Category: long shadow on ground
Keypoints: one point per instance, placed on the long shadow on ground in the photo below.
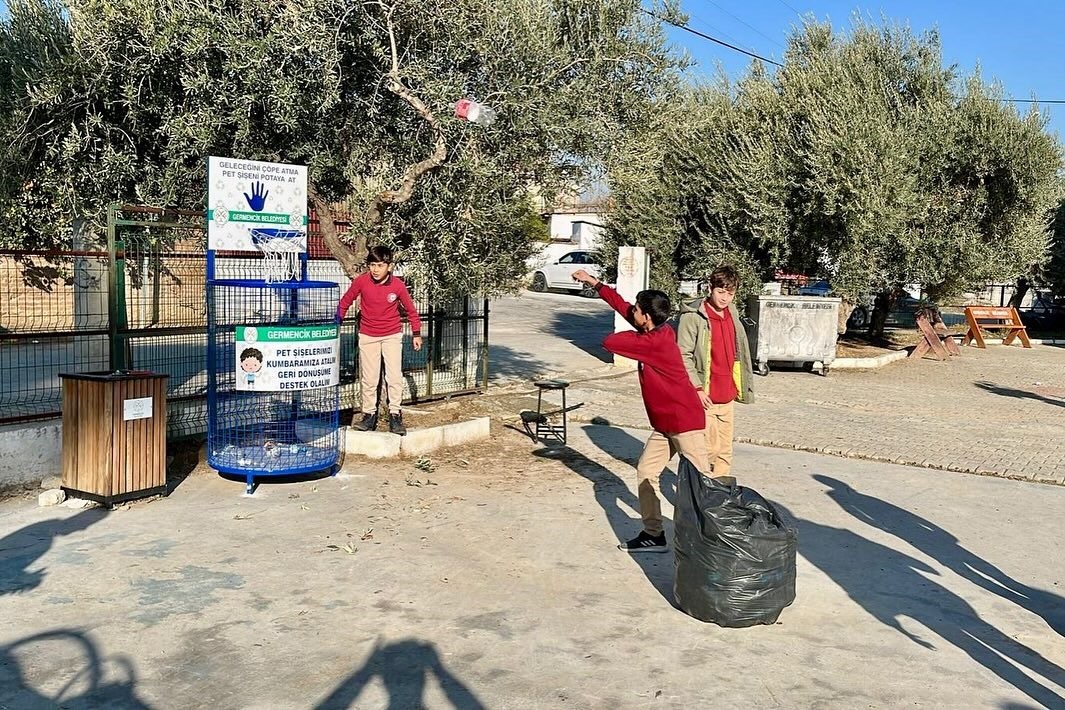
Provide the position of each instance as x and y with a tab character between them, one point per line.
891	586
403	667
584	330
84	676
940	545
21	548
1020	394
621	508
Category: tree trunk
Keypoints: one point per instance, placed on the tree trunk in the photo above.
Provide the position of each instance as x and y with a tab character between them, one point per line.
1020	292
883	304
350	258
845	310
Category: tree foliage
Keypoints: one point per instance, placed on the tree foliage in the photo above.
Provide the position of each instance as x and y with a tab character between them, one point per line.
122	100
862	160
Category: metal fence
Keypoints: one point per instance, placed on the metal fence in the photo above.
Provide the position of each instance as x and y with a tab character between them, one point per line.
140	304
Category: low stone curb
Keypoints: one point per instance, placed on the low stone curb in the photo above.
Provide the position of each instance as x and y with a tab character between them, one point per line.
417	442
867	363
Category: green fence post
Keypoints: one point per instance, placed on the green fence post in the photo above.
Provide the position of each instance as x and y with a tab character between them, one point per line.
116	293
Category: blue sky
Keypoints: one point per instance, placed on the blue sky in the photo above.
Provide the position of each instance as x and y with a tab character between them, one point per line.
1019	42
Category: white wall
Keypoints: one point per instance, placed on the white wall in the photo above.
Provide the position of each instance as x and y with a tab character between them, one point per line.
30	452
561	225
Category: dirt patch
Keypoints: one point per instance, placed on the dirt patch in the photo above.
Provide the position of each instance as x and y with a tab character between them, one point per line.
861	345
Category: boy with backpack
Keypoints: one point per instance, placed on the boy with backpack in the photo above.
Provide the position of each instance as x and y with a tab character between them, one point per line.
717	357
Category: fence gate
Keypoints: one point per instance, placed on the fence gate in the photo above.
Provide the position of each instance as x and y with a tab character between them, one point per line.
140	304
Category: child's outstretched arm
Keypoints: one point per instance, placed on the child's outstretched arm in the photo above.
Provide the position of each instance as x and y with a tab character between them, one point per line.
612	297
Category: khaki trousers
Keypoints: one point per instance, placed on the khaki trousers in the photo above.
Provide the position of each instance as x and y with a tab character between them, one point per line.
372	350
720	425
657	452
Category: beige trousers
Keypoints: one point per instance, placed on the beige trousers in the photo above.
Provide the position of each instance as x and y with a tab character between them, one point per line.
720	425
372	350
657	452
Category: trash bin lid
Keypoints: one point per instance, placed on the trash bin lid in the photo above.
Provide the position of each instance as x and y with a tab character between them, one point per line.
107	376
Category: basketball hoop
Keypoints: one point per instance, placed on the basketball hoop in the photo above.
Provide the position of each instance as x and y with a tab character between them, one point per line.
281	249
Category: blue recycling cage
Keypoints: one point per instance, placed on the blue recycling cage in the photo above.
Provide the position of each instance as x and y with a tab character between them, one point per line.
261	434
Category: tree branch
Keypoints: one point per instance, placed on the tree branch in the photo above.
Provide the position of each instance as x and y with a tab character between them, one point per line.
350	257
375	211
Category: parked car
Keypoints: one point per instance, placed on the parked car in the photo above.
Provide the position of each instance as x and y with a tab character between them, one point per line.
901	315
1045	313
817	288
559	273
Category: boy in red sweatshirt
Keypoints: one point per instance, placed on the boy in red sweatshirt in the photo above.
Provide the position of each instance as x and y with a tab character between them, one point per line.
673	406
381	335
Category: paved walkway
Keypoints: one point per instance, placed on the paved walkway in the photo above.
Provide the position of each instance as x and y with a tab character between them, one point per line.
493	582
999	411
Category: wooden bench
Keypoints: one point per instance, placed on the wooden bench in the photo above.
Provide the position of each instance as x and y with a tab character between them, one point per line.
935	338
994	319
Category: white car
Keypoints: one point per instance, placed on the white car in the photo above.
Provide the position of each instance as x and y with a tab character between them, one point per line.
559	273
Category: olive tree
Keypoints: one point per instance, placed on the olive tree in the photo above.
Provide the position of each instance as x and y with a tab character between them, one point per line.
123	100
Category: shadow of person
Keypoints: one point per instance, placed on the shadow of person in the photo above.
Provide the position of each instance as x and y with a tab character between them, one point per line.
626	448
939	544
85	679
1019	394
403	667
18	550
890	586
622	509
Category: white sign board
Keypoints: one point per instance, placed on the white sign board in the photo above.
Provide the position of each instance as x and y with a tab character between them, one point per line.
632	278
140	408
284	358
250	202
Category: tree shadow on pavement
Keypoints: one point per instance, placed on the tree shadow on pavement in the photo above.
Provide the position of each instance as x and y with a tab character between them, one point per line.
507	363
1019	394
619	503
85	678
584	330
20	549
940	545
403	667
891	586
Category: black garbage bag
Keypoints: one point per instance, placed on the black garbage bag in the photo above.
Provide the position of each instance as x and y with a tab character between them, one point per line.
735	556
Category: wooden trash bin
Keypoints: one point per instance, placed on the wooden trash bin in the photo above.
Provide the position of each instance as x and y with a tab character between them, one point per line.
114	435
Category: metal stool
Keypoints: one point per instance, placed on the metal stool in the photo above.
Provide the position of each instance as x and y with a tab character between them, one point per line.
545	429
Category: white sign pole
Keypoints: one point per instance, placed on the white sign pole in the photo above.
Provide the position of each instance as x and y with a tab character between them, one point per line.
633	269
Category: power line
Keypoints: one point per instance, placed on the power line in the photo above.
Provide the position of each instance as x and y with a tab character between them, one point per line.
790	8
1035	101
715	40
705	36
695	20
744	22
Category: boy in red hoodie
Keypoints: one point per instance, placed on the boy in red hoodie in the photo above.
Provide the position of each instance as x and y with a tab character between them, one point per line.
381	336
673	406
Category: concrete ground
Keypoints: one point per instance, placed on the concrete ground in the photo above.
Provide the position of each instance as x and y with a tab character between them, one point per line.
492	580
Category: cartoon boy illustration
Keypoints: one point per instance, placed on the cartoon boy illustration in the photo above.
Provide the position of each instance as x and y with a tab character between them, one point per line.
251	361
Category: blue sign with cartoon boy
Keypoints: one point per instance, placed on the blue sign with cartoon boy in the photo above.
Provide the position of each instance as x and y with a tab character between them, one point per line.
251	362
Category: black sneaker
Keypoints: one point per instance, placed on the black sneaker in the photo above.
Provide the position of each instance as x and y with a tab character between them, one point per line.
395	424
368	423
645	543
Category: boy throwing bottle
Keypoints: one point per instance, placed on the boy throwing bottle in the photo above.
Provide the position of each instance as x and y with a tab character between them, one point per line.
672	404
